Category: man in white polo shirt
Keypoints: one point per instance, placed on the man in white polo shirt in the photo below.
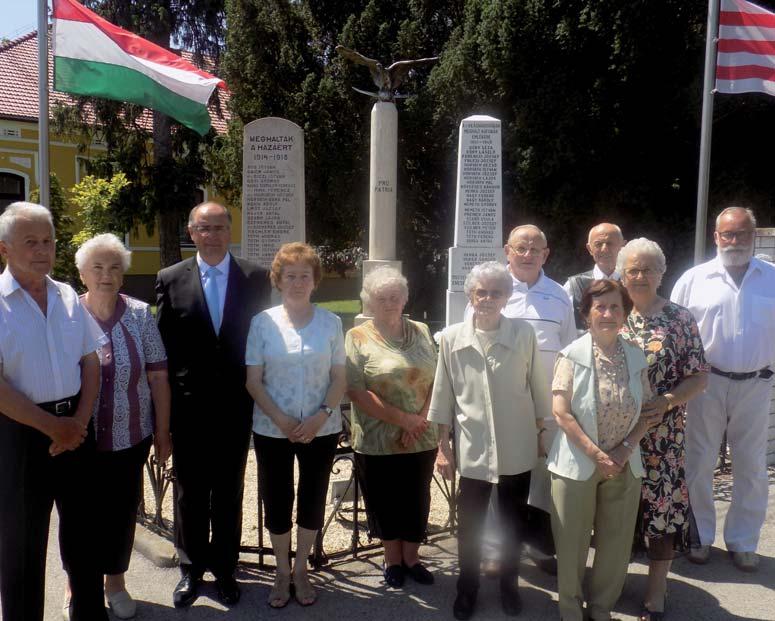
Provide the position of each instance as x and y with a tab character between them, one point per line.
544	304
732	297
49	381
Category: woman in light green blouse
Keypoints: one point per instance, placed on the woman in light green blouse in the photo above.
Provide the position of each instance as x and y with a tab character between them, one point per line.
391	362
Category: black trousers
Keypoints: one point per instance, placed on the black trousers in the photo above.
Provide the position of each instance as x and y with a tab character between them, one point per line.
31	481
275	458
397	491
209	459
119	481
473	498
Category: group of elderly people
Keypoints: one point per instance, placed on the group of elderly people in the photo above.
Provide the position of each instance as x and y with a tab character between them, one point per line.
481	406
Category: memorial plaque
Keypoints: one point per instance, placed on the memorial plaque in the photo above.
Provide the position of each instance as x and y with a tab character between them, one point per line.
478	204
478	207
272	188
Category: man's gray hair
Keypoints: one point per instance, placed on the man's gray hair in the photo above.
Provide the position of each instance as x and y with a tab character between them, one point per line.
23	209
107	242
733	209
380	278
527	227
192	213
641	245
489	270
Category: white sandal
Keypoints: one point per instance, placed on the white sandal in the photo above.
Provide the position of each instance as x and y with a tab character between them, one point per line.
122	605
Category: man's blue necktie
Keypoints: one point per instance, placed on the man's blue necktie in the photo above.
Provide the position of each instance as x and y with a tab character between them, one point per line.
212	297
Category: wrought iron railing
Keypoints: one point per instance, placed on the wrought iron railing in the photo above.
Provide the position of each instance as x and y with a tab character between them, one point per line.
160	478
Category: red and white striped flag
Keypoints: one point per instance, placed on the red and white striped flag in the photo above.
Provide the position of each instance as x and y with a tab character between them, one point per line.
746	49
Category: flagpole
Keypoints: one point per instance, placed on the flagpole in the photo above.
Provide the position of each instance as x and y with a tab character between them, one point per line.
43	164
706	131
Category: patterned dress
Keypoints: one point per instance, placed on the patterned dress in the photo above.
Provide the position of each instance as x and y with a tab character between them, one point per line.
673	348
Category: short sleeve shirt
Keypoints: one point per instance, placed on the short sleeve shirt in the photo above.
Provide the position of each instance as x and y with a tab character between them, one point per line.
125	415
297	365
398	372
40	354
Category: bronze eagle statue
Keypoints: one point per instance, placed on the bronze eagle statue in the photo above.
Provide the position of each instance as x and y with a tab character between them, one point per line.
387	80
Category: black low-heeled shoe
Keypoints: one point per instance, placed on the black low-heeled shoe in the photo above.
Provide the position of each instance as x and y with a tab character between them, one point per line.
419	573
394	576
464	605
653	615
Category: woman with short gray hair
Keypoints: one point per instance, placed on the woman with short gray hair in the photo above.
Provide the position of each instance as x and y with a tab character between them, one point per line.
391	362
491	390
669	337
133	409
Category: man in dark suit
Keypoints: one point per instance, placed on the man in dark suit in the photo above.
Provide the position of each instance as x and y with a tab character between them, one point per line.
205	305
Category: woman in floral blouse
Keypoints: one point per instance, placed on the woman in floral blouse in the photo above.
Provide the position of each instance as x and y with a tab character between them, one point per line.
391	361
133	408
669	337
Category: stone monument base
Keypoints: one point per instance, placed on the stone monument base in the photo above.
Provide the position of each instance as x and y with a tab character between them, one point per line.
456	306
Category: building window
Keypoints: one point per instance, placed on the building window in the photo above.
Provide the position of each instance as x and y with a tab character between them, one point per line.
11	189
185	238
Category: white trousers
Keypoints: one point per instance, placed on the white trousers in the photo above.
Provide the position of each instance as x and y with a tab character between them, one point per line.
741	408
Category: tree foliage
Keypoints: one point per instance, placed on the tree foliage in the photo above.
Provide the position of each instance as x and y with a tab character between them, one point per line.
95	200
59	205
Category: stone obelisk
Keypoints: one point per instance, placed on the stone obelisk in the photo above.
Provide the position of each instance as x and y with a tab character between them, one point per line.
478	207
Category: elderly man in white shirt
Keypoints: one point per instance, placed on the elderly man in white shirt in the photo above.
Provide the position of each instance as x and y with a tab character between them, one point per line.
544	304
604	242
732	297
49	381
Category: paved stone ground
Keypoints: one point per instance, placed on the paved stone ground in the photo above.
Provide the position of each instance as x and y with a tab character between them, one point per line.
354	589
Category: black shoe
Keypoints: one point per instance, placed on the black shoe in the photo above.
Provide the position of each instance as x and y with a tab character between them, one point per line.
186	591
394	576
228	591
511	602
419	573
464	605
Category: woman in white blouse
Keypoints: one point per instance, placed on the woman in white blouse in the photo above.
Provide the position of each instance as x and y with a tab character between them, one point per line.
296	375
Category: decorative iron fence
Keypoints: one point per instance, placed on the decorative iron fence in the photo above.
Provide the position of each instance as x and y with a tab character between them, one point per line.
346	512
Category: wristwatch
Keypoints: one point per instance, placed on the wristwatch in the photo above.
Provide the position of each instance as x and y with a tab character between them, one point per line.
329	411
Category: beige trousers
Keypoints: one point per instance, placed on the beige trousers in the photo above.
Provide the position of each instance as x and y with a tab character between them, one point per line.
610	506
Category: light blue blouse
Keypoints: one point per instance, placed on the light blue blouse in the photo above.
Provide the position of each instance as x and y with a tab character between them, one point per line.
297	365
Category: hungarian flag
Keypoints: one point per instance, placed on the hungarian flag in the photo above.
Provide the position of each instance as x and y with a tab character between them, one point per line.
94	57
746	49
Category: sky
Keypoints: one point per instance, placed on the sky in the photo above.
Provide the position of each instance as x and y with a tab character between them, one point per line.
17	17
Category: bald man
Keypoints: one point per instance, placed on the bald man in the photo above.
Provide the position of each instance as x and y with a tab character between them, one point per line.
604	242
205	304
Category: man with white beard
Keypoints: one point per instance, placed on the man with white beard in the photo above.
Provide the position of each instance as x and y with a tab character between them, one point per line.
732	297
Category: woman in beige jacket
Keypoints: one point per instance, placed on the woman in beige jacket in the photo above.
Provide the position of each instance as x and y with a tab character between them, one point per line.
490	389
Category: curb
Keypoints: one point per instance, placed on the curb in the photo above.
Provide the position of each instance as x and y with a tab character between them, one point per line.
155	548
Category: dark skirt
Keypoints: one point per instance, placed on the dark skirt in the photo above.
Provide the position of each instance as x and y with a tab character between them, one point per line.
397	491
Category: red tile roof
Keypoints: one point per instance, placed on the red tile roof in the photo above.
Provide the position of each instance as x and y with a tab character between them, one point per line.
19	85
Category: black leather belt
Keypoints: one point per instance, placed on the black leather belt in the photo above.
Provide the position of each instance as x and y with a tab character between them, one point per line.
64	407
765	373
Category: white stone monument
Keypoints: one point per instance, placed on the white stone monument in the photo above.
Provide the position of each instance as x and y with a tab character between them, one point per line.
764	248
272	188
478	207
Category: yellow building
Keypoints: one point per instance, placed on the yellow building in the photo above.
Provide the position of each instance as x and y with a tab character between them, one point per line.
19	170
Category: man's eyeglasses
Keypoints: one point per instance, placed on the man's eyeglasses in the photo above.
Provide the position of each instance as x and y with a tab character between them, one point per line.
742	236
526	250
207	228
634	272
493	294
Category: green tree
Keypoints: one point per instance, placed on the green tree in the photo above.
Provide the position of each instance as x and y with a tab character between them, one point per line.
64	266
96	200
